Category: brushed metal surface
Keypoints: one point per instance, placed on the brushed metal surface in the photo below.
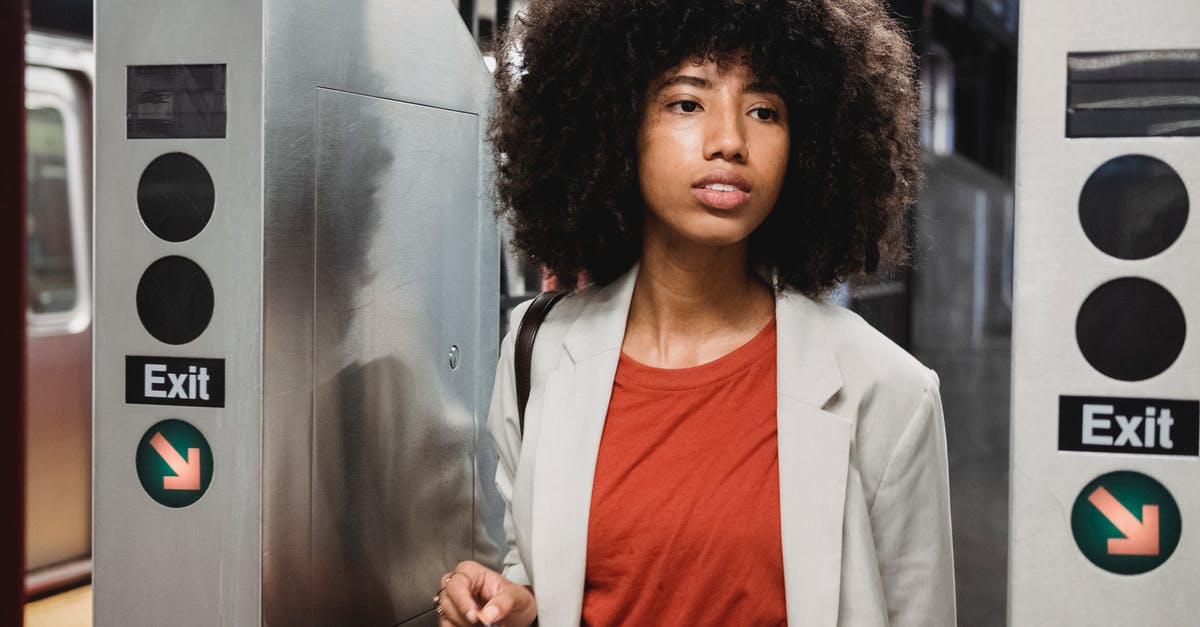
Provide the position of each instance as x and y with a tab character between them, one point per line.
197	565
354	93
351	246
1051	582
392	424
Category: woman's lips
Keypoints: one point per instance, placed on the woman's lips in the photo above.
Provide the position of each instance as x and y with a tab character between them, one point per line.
722	190
718	199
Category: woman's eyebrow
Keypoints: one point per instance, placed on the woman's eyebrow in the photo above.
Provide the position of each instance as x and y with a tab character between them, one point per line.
685	79
756	87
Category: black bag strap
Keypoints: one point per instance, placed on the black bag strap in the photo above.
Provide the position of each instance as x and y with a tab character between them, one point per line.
526	334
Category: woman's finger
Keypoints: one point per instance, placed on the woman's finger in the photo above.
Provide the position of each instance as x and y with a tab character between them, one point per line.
462	591
505	600
456	600
496	610
472	585
451	615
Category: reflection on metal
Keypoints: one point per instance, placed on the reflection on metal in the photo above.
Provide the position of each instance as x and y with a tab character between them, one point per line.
962	315
351	246
1143	93
1146	65
405	264
393	423
1134	206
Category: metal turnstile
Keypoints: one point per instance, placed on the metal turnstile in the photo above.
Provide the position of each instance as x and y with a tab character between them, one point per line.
1105	476
296	311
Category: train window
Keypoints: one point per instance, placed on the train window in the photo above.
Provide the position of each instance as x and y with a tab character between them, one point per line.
56	214
51	259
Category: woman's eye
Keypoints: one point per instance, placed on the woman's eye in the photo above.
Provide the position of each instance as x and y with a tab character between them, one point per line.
687	106
765	113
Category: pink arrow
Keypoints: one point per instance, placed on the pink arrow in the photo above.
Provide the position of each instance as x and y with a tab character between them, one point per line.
1141	536
187	471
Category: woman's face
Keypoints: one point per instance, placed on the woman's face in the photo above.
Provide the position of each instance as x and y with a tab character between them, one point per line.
712	153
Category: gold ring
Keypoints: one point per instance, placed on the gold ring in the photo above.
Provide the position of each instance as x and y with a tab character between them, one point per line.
439	611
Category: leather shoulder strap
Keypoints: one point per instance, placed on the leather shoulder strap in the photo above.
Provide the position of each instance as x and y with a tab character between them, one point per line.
526	334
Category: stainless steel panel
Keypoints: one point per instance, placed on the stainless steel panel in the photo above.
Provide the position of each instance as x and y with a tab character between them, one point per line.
351	246
393	418
1051	582
197	565
415	56
428	619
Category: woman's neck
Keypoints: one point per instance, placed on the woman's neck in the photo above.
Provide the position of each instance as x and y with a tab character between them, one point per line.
693	303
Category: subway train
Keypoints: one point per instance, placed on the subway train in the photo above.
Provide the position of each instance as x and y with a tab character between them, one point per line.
952	307
59	80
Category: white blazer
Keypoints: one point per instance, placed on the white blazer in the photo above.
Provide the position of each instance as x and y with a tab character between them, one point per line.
864	497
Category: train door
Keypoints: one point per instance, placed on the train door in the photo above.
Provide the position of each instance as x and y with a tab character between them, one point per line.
59	314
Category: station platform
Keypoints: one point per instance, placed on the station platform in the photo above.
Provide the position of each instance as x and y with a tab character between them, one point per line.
72	608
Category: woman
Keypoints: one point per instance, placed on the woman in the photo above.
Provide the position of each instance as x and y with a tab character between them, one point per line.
706	440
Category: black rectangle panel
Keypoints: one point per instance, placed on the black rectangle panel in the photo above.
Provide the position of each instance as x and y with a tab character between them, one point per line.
175	101
1137	426
176	381
1144	93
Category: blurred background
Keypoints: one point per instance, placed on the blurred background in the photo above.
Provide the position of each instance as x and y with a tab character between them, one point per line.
951	307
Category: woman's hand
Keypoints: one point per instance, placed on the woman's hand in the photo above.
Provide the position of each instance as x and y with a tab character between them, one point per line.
473	594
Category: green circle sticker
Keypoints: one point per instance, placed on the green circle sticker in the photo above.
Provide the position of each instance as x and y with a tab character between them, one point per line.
1126	523
174	463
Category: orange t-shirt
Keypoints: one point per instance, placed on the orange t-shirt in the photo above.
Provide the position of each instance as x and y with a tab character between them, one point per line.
684	526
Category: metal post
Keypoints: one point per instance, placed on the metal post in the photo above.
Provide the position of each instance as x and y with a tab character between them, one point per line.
1102	506
291	481
470	16
12	315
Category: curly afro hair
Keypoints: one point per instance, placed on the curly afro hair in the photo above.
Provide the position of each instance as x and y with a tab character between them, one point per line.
572	82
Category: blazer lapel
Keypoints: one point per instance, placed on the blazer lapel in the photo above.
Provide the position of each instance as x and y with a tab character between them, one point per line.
571	424
814	457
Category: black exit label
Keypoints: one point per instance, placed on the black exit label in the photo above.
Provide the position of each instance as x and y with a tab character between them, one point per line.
186	381
1146	426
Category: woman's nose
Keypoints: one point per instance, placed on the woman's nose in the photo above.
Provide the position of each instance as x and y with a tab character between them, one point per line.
726	138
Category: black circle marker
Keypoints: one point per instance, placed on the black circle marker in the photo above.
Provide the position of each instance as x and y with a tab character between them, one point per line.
175	197
1133	207
1130	329
175	300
